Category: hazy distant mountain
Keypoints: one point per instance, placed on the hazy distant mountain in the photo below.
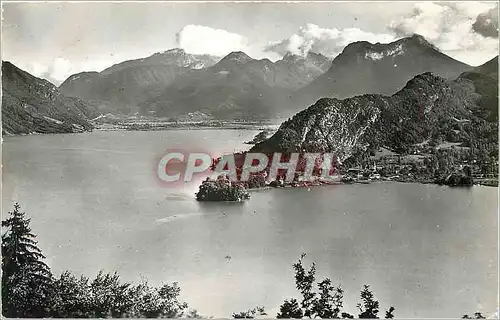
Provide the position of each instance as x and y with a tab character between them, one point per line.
428	106
177	57
30	105
485	81
127	84
294	71
489	68
239	87
363	67
174	83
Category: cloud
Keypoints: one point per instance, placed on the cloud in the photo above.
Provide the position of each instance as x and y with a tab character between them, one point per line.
465	31
486	23
59	69
198	39
449	26
329	42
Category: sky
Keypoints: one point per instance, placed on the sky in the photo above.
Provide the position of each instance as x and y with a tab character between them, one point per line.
56	40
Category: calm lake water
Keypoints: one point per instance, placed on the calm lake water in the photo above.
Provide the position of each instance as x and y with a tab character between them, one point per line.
96	204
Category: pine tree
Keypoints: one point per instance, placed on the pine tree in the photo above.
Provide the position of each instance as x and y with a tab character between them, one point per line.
26	279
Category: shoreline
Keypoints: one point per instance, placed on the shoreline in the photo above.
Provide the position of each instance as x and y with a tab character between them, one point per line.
182	128
336	183
255	126
232	126
320	184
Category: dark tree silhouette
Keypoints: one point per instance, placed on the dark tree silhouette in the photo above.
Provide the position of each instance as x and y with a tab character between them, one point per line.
368	307
389	314
304	281
193	314
327	302
29	290
72	298
250	314
106	296
290	309
477	315
26	279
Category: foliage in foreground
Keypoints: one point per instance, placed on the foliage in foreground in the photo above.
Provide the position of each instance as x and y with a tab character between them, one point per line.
326	301
477	315
250	314
30	290
26	279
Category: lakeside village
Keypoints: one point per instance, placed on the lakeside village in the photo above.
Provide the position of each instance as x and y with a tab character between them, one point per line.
446	167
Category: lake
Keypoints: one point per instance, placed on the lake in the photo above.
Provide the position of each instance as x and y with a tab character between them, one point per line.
95	203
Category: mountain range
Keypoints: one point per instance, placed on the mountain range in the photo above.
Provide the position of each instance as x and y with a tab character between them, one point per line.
363	67
174	83
123	86
485	79
426	108
238	87
34	105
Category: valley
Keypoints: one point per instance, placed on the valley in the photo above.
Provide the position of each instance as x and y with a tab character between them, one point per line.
422	103
250	160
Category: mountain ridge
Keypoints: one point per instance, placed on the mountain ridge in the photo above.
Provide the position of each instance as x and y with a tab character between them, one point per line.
359	67
34	105
427	107
124	85
238	86
281	88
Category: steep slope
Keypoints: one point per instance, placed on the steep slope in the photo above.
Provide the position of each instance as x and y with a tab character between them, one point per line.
329	125
238	87
363	67
484	79
129	83
426	107
489	68
294	71
30	104
177	57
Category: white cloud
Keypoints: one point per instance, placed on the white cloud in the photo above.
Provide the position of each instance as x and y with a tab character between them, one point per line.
196	39
448	26
329	42
59	69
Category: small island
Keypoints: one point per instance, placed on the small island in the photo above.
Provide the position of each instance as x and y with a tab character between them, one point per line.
221	189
